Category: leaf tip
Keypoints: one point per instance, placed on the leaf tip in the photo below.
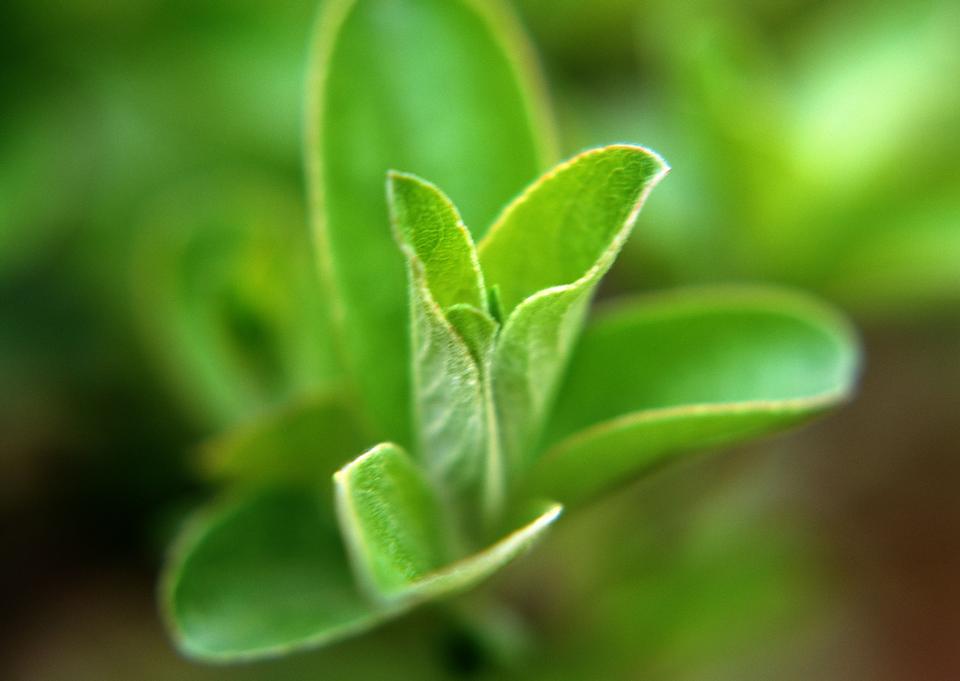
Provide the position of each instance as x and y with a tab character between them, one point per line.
345	471
551	515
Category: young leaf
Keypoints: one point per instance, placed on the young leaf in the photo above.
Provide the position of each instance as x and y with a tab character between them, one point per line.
477	329
261	576
437	87
391	519
686	371
430	230
455	423
546	254
392	522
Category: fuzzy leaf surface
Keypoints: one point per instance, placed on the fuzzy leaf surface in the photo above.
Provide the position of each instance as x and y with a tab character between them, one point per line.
664	375
430	230
454	420
392	521
546	254
441	88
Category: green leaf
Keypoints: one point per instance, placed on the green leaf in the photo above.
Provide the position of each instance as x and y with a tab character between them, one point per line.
664	375
568	223
391	518
301	441
262	576
477	329
441	88
430	230
229	296
546	254
392	522
454	416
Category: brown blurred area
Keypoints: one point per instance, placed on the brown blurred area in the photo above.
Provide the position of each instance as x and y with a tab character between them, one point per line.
883	486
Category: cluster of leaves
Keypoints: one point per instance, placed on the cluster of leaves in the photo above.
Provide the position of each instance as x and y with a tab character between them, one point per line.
495	400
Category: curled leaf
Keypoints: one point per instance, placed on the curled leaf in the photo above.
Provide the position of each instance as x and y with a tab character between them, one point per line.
454	419
547	253
676	373
393	524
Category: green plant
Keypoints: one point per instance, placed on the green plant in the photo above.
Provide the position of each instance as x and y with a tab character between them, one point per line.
494	414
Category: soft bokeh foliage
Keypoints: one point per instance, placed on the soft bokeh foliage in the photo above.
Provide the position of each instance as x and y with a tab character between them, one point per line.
813	143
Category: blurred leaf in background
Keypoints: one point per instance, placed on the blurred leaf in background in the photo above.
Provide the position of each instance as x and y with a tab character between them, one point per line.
230	297
104	106
714	576
817	140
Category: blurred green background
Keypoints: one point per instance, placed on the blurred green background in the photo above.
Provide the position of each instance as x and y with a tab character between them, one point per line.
150	158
